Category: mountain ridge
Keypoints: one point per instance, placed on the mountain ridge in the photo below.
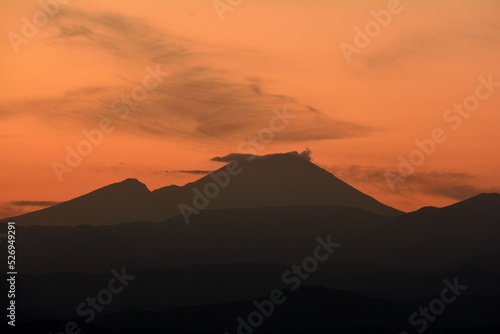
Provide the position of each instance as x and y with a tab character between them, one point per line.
266	181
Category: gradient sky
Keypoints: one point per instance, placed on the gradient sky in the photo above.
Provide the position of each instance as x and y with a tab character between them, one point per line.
225	79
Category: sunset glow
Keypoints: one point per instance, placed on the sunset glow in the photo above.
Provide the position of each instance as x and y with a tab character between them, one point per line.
203	86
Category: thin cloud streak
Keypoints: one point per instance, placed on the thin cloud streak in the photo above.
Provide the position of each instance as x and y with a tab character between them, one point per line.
453	185
306	155
34	203
194	102
201	172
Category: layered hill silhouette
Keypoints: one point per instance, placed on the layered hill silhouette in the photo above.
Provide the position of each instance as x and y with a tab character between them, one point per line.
457	234
159	289
310	309
267	181
199	278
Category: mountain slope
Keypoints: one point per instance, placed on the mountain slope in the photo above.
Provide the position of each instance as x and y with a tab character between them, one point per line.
115	203
268	181
285	180
283	236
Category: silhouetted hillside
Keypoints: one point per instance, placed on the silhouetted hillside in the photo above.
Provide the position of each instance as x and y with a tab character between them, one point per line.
268	181
282	235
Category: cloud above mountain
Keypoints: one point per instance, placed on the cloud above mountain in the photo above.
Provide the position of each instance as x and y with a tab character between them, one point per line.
194	171
306	155
15	208
198	99
449	184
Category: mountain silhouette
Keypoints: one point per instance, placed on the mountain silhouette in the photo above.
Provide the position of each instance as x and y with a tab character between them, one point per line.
447	236
267	181
265	219
118	202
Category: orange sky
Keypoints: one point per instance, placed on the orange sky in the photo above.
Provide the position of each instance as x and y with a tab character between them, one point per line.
225	79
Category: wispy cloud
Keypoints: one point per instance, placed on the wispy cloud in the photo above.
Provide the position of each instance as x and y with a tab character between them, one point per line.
306	155
453	185
16	208
431	40
34	203
201	172
198	100
233	157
